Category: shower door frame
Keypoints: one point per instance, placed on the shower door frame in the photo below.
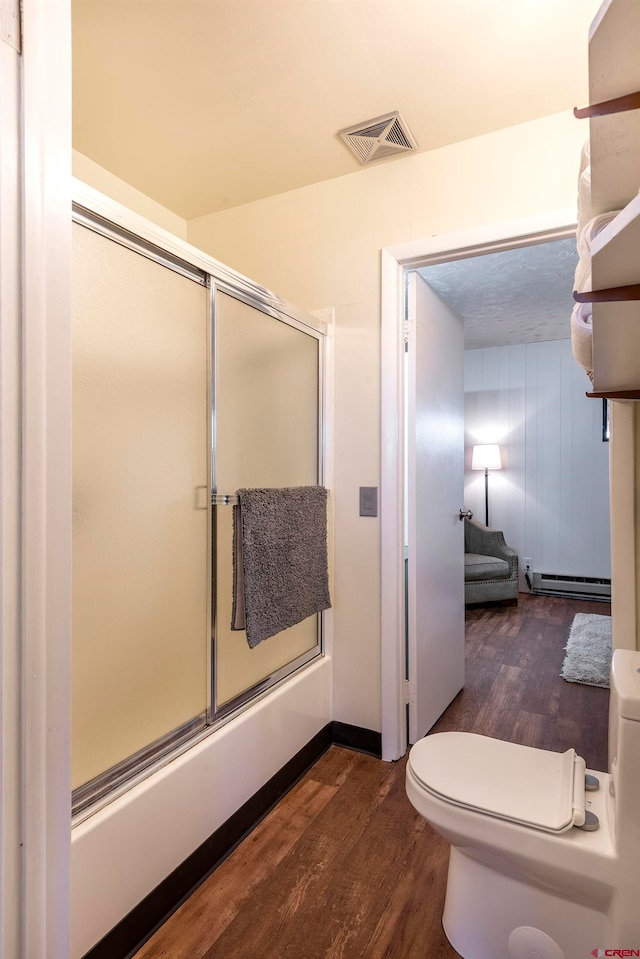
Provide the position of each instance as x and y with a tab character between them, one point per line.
110	219
298	320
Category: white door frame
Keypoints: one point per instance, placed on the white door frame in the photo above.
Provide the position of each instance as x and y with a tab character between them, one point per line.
10	498
35	513
491	238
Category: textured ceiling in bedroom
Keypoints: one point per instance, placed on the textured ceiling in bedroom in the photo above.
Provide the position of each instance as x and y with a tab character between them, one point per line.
516	296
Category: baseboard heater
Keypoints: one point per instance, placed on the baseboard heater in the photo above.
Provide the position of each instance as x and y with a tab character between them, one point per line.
578	587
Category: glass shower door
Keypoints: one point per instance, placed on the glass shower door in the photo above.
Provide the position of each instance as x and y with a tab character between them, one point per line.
141	569
267	434
157	425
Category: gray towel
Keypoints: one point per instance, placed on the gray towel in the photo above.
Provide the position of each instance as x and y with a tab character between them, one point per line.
279	559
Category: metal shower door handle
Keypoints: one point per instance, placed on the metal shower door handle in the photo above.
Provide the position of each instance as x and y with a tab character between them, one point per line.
468	513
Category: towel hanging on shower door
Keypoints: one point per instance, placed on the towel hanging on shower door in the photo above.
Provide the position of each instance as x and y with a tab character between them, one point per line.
280	573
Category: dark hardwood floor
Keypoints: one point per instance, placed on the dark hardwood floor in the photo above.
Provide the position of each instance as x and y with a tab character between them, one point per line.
343	867
513	688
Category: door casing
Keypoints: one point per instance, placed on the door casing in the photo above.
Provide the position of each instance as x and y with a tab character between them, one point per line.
491	238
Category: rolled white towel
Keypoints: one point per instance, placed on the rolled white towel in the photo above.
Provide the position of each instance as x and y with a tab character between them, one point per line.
585	155
584	199
591	229
582	335
582	279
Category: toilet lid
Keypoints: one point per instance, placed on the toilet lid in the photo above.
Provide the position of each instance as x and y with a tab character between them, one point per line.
534	787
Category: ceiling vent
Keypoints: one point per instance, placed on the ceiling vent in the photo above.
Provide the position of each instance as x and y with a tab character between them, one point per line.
379	139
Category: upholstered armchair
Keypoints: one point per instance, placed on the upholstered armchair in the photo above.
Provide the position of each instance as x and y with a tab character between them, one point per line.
490	566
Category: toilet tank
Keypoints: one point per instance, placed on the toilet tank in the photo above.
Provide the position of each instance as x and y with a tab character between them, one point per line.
624	733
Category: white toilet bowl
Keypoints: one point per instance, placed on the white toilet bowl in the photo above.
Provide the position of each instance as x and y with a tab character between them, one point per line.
526	879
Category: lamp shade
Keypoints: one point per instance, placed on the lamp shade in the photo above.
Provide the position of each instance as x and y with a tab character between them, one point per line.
486	457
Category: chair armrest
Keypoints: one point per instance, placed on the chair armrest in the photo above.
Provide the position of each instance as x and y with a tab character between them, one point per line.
488	542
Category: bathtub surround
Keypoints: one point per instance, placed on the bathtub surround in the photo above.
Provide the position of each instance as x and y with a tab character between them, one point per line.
588	658
280	569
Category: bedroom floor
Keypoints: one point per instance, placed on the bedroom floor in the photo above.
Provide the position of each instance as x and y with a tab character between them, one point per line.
343	867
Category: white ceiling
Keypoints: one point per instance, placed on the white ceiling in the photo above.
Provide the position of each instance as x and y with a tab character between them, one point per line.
516	296
207	104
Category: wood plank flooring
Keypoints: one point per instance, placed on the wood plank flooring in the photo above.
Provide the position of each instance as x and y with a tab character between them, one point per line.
343	867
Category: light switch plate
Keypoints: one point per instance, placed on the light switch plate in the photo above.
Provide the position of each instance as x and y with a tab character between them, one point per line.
368	501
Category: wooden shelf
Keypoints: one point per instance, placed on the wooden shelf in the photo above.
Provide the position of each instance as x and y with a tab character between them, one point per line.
631	101
614	125
614	71
616	325
615	395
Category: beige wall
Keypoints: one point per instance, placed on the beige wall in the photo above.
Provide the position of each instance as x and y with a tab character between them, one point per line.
320	246
112	186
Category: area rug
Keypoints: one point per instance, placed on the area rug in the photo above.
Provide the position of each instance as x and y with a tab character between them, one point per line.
588	658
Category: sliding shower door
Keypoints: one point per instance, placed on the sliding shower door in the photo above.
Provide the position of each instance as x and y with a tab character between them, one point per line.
186	383
141	533
267	434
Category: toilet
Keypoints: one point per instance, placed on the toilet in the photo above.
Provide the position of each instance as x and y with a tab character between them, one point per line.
545	854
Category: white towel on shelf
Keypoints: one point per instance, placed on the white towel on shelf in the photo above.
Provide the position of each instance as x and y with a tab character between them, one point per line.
582	281
582	278
584	199
582	335
585	156
591	229
584	187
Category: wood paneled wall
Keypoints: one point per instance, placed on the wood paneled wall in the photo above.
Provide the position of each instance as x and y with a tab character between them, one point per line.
551	498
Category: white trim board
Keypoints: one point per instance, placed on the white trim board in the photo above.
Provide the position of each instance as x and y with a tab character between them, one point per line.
46	478
489	238
10	505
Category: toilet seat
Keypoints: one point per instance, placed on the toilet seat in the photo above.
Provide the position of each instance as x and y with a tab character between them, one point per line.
533	787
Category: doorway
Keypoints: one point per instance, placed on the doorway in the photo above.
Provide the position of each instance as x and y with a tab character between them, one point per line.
525	394
491	239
